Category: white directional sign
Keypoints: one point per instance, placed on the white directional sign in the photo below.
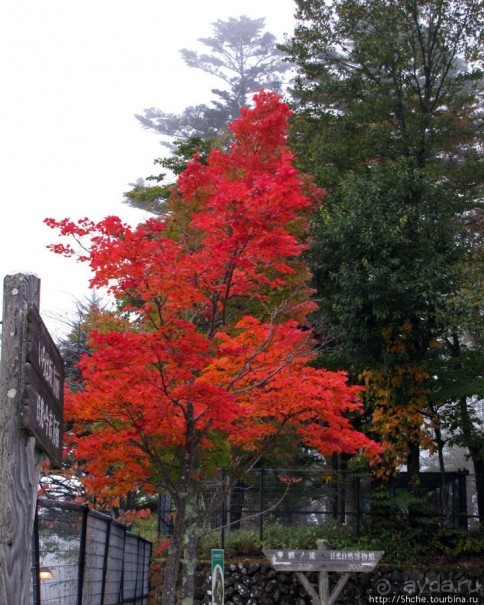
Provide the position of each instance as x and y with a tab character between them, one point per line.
324	560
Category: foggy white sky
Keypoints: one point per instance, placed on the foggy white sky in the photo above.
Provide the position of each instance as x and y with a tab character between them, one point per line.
72	75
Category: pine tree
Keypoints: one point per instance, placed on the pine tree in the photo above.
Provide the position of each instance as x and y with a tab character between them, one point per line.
244	58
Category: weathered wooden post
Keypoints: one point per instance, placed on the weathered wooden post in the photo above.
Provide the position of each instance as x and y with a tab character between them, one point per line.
31	398
323	576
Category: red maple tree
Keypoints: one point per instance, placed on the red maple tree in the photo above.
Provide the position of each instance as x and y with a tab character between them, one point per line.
206	353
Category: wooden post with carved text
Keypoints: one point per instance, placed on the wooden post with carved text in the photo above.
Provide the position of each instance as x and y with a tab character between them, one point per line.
20	457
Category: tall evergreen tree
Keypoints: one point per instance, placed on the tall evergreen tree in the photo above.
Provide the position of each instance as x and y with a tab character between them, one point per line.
387	97
244	58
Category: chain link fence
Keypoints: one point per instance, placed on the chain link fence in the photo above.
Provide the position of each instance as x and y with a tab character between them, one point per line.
312	497
82	557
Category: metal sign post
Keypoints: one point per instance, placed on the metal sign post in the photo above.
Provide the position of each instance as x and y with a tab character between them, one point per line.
218	595
324	561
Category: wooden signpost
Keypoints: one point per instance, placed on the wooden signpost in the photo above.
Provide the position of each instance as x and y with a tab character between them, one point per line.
324	561
44	388
31	402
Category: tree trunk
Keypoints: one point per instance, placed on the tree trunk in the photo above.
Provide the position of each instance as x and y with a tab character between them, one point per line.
478	462
172	565
413	462
475	447
444	488
189	563
184	541
413	469
185	511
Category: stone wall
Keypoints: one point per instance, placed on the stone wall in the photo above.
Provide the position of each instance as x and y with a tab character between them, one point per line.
256	583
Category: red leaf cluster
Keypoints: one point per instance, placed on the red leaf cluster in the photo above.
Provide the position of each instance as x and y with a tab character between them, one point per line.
210	302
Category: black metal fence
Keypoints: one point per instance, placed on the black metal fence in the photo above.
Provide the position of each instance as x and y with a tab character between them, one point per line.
82	557
313	497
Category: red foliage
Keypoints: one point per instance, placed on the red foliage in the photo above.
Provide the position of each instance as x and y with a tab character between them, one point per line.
210	301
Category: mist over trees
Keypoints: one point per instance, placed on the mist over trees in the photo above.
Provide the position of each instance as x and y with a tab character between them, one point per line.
244	58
